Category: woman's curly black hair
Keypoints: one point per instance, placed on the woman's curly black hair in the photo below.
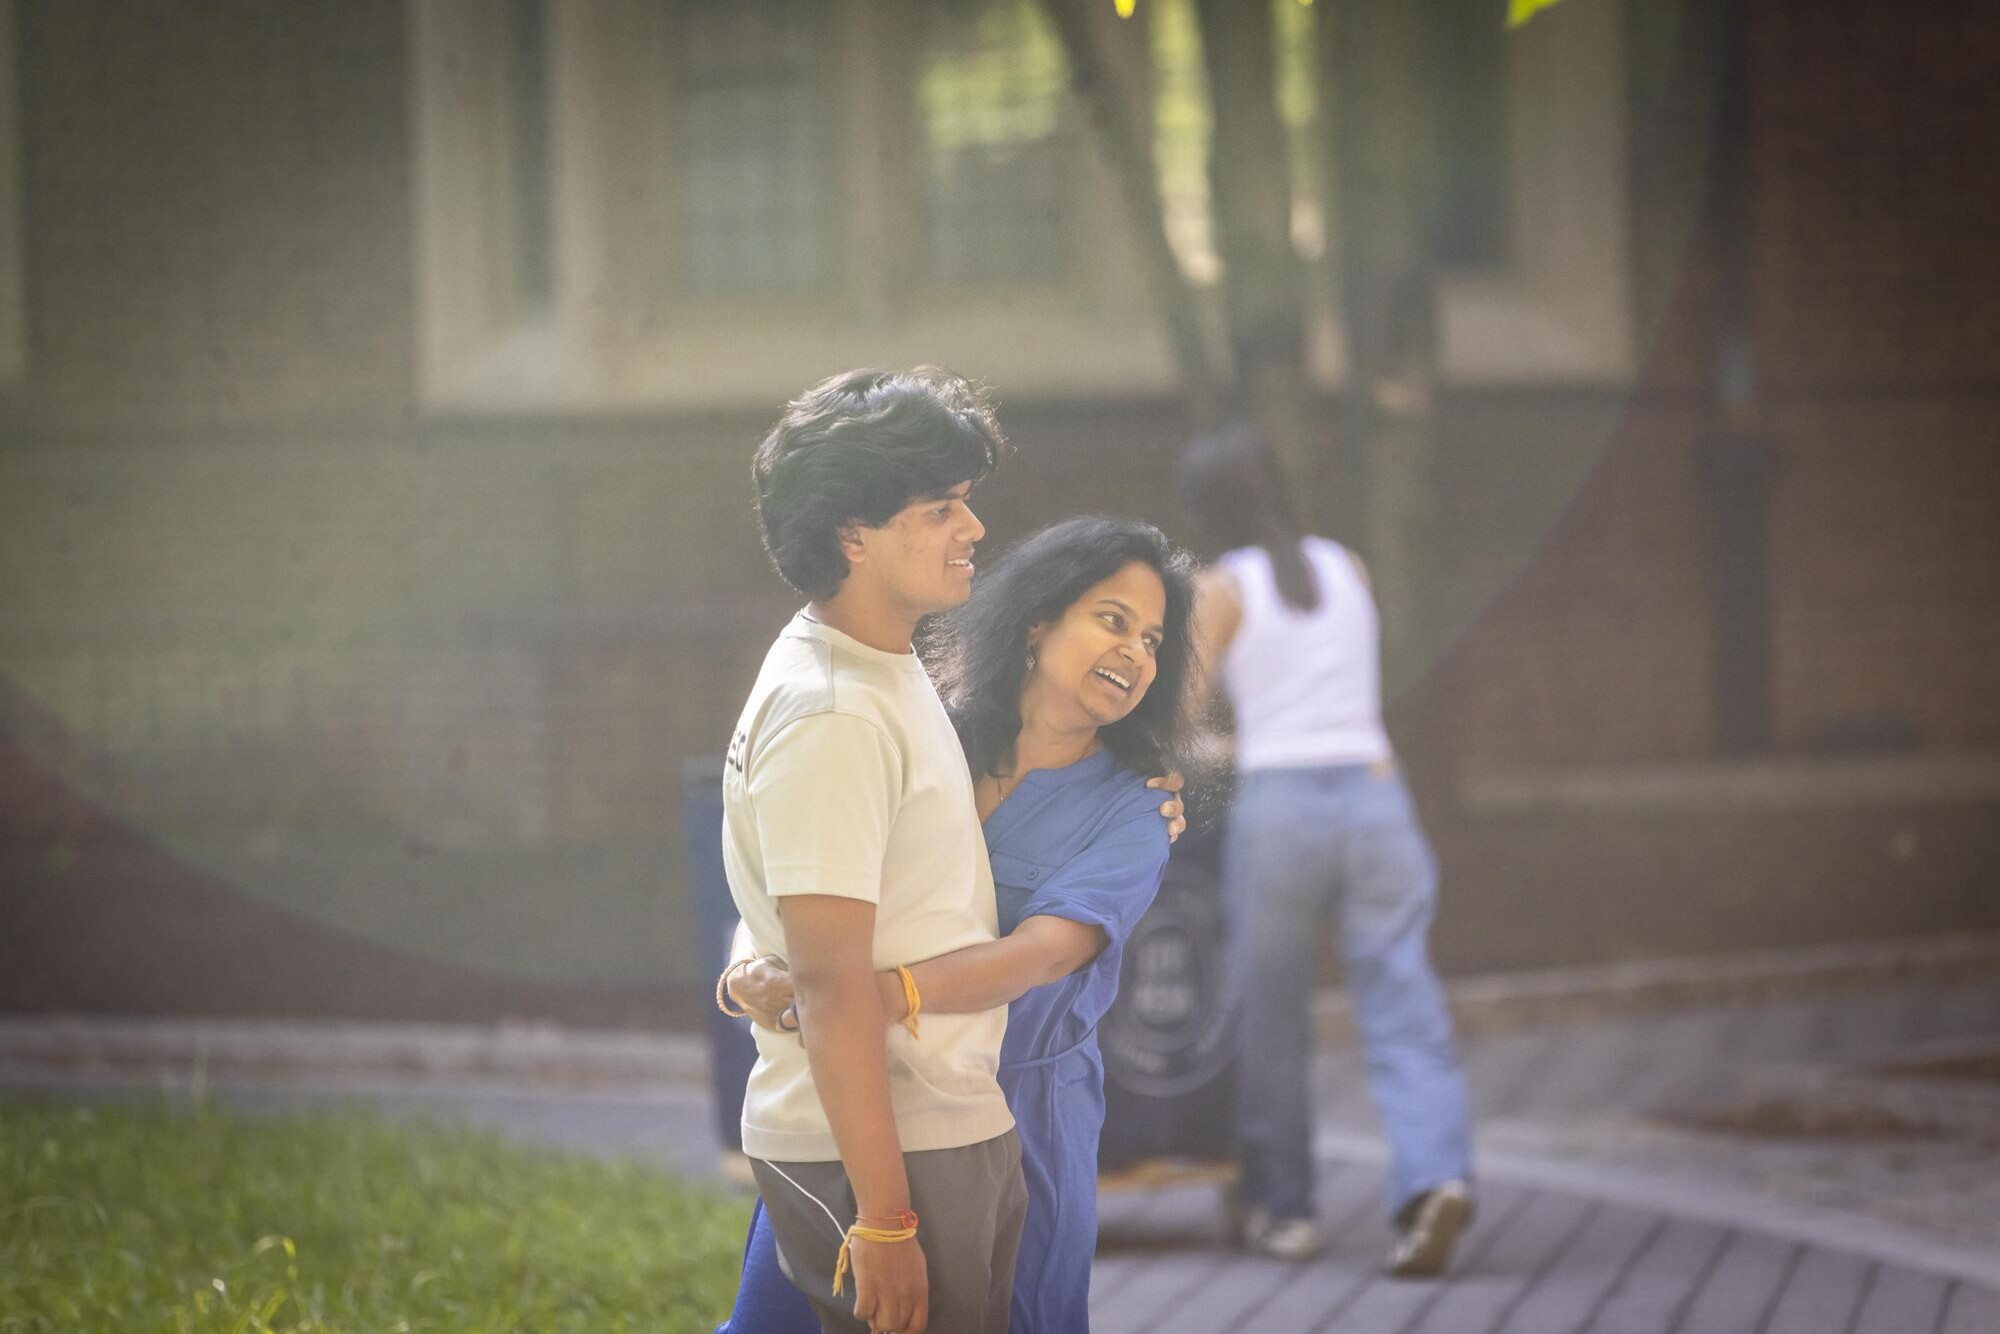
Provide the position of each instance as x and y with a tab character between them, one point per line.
978	651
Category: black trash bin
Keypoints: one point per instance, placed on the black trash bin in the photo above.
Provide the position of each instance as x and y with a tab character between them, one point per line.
1169	1041
730	1048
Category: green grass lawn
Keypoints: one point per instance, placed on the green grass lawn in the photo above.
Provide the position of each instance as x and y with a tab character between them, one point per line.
146	1219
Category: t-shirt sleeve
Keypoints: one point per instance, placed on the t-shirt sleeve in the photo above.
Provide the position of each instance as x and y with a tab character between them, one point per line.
825	789
1113	880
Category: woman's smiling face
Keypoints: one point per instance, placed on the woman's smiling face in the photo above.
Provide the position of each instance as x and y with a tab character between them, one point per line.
1094	663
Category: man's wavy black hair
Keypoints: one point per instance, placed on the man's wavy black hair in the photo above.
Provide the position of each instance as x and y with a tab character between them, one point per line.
856	449
978	650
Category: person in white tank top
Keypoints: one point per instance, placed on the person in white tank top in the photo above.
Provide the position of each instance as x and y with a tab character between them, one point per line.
1321	827
1303	681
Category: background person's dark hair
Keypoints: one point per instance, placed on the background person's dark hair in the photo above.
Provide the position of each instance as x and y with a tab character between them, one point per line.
1231	487
978	651
856	449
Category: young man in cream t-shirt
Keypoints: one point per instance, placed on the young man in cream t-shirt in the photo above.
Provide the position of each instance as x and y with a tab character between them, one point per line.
852	844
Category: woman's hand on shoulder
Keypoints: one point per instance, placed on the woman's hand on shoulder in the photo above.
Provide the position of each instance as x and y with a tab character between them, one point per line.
1171	810
764	987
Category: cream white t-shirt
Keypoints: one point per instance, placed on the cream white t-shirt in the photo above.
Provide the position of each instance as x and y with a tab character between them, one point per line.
844	777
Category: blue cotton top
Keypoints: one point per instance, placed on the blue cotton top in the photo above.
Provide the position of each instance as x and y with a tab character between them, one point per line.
1086	843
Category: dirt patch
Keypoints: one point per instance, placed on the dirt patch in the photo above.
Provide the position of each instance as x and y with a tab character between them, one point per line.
1778	1119
1977	1069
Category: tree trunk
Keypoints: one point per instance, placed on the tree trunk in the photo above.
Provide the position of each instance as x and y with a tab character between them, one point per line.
1374	67
1123	139
1739	462
1250	193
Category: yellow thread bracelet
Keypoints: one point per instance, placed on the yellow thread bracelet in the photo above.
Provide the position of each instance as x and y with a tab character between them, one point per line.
868	1234
912	999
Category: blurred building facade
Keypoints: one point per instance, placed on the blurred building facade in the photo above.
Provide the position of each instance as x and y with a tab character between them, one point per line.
378	382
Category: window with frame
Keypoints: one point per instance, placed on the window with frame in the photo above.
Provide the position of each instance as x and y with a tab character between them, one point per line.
488	182
753	147
705	161
996	145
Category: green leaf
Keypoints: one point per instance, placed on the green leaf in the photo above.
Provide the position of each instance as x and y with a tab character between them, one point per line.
1520	11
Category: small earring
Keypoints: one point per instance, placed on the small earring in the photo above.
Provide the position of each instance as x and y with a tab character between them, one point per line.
1031	660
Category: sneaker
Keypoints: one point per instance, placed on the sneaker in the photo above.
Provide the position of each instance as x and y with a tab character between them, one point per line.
1434	1221
1279	1238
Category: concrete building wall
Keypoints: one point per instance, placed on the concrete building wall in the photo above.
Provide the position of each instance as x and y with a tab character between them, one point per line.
217	210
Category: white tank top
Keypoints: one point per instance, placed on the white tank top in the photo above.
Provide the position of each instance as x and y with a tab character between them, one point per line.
1305	685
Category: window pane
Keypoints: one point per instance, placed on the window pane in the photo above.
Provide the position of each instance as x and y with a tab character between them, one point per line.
752	146
996	143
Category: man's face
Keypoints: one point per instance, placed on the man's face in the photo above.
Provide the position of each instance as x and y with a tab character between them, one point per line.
922	557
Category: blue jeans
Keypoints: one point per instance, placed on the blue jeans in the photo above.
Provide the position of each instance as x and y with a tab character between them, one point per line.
1343	841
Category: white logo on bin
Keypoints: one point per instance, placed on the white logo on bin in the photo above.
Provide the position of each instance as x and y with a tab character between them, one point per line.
1171	1031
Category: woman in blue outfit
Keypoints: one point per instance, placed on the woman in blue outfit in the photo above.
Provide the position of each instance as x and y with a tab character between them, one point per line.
1066	677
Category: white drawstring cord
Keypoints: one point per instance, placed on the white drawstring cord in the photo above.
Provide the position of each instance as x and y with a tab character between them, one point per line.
838	1230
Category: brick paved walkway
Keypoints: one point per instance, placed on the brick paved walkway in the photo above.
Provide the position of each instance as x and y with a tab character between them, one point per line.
1534	1262
1541	1260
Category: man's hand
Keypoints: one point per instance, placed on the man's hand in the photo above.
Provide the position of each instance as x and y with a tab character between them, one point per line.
765	989
892	1288
829	943
1171	809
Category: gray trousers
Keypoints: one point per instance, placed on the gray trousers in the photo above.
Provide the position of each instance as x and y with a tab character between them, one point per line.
970	1203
